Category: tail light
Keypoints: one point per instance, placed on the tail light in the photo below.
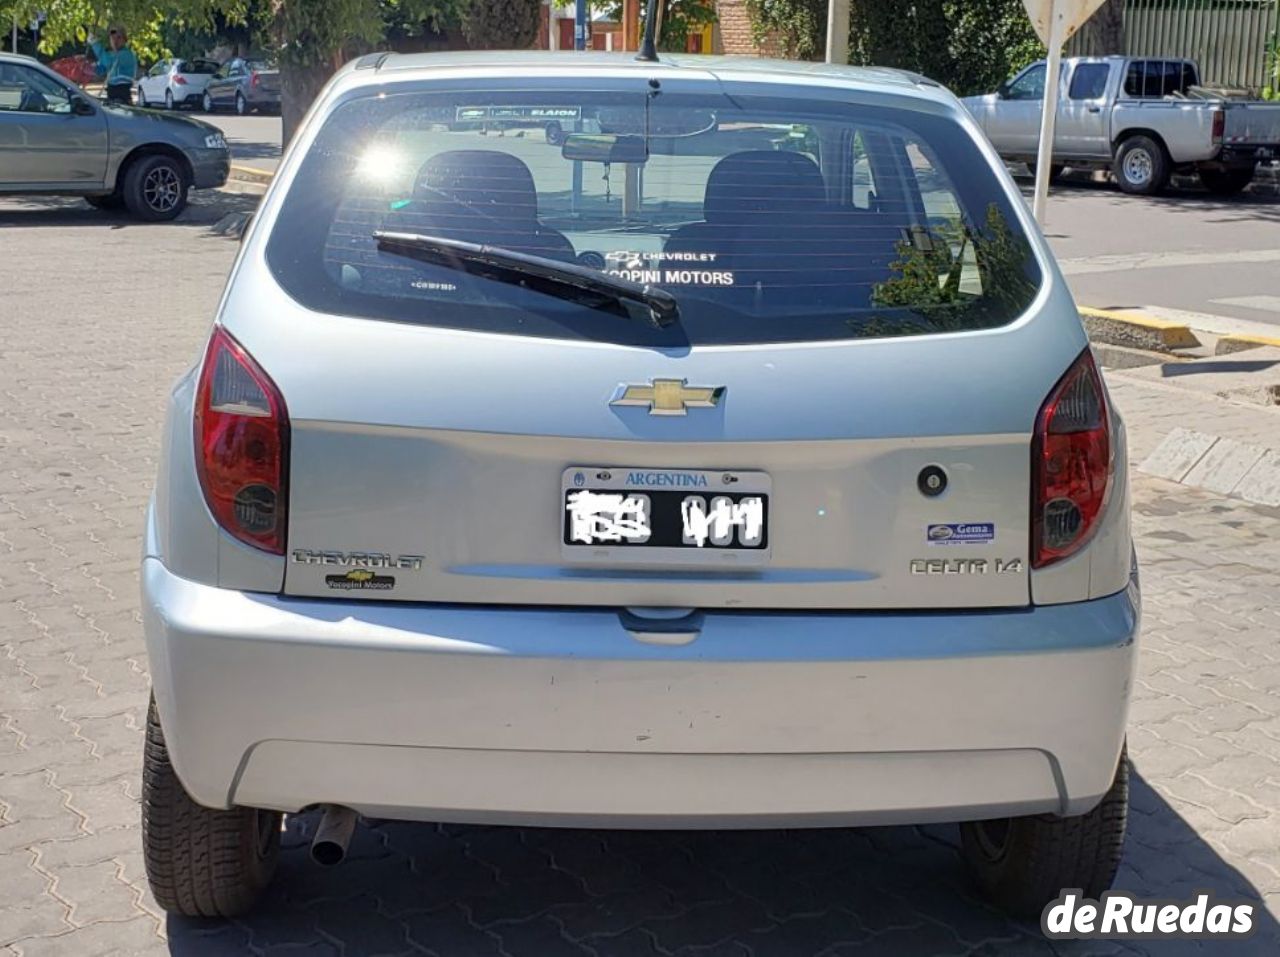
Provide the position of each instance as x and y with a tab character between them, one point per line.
1071	464
1219	125
242	445
254	79
179	79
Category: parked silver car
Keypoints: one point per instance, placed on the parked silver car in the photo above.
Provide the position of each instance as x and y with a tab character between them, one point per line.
54	139
644	480
175	83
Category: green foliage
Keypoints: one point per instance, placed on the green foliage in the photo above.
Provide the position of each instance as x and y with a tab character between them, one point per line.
926	286
991	41
800	26
681	18
501	24
969	45
1271	91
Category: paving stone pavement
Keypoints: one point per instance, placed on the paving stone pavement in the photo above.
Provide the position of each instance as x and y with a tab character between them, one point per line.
83	369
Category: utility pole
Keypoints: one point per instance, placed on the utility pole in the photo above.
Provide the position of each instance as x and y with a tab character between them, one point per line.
15	33
1055	22
631	24
838	31
580	25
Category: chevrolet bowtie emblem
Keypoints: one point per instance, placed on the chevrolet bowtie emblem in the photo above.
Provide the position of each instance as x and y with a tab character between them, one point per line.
668	396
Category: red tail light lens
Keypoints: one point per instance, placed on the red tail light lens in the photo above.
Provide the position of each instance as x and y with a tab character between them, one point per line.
254	79
179	79
242	445
1071	464
1219	125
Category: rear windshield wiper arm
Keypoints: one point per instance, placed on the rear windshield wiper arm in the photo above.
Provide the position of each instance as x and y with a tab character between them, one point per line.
555	278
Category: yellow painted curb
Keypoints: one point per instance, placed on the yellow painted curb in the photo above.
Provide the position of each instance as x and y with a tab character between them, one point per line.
1160	332
248	172
1239	343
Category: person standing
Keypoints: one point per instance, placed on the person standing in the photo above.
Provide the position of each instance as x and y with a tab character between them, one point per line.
117	64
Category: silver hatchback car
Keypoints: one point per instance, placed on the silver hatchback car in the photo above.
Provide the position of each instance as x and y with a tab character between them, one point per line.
737	460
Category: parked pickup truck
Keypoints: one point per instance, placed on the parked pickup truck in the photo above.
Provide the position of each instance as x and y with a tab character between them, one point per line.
1144	119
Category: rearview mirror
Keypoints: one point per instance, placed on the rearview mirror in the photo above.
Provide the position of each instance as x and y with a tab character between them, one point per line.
1002	91
80	106
605	148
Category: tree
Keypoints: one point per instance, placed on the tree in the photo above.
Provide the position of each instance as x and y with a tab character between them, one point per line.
311	38
501	24
968	45
1103	32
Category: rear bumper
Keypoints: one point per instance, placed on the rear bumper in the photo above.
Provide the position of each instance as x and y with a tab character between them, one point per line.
262	98
563	716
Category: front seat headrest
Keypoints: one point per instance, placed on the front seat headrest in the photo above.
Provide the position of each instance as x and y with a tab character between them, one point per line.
490	182
754	182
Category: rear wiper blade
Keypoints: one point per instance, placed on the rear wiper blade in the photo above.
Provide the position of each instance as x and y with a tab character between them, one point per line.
549	276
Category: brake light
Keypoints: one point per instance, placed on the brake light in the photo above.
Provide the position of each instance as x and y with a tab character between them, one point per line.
254	79
179	79
242	445
1219	125
1071	464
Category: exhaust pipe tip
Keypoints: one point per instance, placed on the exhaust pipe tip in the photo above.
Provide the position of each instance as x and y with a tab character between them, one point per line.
328	853
329	846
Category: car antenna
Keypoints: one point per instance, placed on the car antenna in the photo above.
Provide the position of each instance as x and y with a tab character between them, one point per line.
648	43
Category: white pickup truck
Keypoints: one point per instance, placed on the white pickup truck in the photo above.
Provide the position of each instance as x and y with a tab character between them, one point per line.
1142	118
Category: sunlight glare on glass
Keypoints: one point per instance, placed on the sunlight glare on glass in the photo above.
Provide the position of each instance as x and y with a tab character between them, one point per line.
381	163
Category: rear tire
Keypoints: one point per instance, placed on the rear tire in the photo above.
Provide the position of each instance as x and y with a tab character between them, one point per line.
206	103
242	105
1227	182
1141	166
1022	863
200	862
155	188
168	99
142	97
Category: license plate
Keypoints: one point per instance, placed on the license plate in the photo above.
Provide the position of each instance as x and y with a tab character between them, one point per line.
665	515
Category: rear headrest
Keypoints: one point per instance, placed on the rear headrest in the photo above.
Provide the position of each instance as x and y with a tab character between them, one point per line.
744	185
488	181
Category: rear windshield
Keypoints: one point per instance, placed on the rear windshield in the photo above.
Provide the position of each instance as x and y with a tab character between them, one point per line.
768	219
1152	79
198	67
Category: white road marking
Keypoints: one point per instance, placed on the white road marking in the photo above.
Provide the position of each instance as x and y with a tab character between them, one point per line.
1261	303
1122	262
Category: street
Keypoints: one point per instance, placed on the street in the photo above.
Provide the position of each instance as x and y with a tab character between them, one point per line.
101	314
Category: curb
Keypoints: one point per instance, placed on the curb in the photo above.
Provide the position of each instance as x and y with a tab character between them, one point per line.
1240	343
1137	330
249	174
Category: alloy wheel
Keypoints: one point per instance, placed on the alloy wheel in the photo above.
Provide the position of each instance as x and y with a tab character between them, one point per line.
162	189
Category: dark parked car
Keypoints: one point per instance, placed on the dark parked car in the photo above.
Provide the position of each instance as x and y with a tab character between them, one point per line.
243	85
55	139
